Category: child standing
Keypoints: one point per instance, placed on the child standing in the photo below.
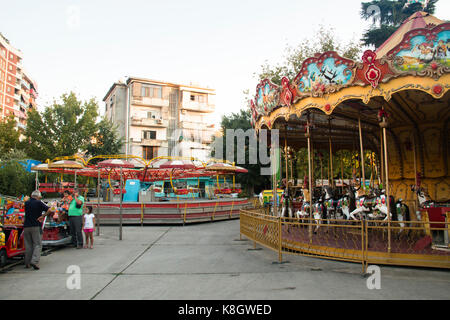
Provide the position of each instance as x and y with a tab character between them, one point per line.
89	226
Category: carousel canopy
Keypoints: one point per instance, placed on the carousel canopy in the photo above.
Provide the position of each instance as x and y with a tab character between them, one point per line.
418	20
66	164
41	167
225	167
178	164
115	163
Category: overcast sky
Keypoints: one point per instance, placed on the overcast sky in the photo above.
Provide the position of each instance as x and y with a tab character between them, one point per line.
85	46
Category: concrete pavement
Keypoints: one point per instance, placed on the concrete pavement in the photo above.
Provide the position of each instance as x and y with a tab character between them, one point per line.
206	261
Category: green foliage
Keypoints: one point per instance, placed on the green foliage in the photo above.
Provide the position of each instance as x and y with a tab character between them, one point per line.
324	40
62	129
392	15
15	180
9	136
105	140
251	181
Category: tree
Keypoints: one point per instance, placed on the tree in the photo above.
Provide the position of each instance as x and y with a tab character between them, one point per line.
14	179
324	40
390	16
9	136
62	129
252	180
106	140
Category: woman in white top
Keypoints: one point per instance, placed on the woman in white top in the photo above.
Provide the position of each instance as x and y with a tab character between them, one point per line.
89	226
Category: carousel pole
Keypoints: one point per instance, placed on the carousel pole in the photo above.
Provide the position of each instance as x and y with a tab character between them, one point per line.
97	220
37	180
381	157
292	172
121	209
363	177
330	173
384	124
286	157
75	181
308	135
416	204
274	183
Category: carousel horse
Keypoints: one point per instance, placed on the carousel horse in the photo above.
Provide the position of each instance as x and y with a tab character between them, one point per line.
304	210
318	208
286	203
423	197
338	207
401	214
365	203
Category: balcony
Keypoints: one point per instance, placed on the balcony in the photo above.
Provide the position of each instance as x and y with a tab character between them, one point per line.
147	142
147	122
199	107
147	101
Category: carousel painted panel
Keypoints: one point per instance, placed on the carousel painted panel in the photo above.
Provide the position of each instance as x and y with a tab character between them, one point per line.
267	97
426	50
325	74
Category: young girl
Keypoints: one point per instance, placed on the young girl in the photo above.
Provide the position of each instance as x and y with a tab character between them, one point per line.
89	226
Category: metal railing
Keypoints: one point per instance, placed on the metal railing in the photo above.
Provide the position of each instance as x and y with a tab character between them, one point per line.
408	243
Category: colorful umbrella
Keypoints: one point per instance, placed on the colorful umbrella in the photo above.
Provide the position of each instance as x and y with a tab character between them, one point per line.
41	167
178	164
66	164
115	163
225	167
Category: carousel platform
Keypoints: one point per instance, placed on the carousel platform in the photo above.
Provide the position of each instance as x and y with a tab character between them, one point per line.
204	262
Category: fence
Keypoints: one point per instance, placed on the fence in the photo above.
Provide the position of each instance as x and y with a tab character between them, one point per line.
412	243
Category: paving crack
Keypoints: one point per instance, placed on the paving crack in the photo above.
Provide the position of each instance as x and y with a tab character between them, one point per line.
131	263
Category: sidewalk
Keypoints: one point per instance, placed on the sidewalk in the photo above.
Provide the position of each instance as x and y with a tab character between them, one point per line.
206	261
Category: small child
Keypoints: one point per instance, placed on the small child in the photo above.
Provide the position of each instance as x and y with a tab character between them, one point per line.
89	226
2	236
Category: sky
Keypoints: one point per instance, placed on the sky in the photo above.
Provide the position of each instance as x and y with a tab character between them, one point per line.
86	45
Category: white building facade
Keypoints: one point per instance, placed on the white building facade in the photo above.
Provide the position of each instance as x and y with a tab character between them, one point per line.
158	118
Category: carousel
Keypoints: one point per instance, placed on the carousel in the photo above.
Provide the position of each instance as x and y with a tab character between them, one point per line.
391	111
128	189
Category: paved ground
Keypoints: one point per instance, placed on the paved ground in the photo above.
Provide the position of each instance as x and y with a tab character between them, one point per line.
206	261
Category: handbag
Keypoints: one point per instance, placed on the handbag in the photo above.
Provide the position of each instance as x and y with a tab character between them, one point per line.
78	206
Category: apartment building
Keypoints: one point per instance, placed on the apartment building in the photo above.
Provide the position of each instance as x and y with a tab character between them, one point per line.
159	118
17	89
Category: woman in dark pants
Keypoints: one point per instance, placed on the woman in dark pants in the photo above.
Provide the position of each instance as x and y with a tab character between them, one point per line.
76	220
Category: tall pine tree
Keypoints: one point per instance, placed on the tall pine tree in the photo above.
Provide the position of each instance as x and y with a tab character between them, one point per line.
389	17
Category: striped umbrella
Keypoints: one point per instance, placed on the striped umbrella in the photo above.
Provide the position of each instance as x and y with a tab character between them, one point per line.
178	164
66	164
225	167
41	167
115	163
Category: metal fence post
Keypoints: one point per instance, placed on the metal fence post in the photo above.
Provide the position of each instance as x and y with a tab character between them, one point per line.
280	255
98	203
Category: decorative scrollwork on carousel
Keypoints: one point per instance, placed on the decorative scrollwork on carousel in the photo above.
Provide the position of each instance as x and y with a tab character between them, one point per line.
267	97
324	74
423	52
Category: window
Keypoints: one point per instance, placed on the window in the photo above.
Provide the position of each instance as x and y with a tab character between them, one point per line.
200	98
151	135
151	91
149	153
